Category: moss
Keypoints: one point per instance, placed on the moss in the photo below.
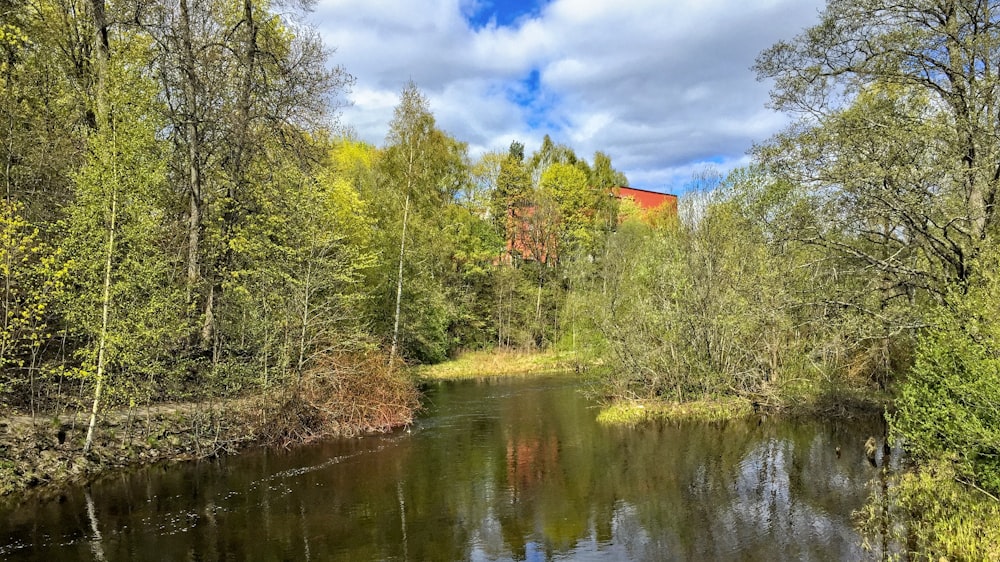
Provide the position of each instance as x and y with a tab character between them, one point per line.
634	412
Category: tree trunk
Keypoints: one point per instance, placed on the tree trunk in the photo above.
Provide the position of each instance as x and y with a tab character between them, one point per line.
305	319
500	314
538	308
101	49
105	313
399	281
191	136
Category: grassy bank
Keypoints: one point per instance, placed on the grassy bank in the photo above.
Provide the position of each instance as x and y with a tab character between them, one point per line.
481	364
333	400
830	400
635	412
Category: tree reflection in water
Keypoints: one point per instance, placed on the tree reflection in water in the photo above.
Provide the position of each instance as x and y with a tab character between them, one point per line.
495	470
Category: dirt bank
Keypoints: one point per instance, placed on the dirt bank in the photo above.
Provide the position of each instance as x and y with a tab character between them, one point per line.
46	452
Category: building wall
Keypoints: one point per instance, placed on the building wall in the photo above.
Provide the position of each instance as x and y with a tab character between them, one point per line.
530	241
646	199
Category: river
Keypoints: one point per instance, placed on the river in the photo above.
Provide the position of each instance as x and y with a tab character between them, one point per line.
505	469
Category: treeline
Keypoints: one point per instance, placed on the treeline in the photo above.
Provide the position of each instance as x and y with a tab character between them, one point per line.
183	218
859	252
169	221
736	296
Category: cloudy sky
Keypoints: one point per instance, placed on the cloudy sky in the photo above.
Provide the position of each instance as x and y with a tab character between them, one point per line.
662	86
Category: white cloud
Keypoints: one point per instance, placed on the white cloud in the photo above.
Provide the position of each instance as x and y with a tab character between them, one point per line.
662	87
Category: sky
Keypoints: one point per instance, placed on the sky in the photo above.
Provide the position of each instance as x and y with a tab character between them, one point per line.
664	87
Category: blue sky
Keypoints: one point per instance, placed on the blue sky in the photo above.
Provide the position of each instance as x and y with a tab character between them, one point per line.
662	86
504	13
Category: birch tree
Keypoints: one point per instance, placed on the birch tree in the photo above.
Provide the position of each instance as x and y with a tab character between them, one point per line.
123	303
408	165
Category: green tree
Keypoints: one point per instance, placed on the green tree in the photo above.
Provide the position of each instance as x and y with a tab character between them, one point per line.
603	176
330	250
484	175
43	103
899	136
511	198
550	153
410	134
243	86
32	277
421	172
716	303
123	303
946	406
577	202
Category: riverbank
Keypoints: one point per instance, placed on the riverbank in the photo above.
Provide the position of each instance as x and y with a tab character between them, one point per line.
484	364
826	402
635	412
535	438
47	452
945	518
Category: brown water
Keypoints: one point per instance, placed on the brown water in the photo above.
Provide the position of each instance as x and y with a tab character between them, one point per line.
497	470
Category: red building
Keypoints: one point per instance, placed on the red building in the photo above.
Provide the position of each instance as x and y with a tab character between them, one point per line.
647	200
532	231
531	234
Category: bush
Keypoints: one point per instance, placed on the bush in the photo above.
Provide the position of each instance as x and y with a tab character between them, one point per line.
947	408
944	520
343	394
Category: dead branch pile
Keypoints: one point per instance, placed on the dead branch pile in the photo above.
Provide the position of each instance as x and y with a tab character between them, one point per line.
343	395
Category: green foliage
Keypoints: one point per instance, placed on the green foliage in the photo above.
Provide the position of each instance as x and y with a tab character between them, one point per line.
43	114
426	188
899	162
946	407
515	298
428	314
603	176
118	218
550	153
897	165
187	167
944	519
576	202
512	193
297	267
710	305
33	274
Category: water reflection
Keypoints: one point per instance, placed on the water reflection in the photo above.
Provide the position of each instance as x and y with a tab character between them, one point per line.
95	542
503	470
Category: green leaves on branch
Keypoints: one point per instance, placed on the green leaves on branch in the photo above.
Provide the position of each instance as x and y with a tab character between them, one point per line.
33	277
947	408
117	227
718	303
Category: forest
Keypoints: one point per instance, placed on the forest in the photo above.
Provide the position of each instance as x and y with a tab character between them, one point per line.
185	219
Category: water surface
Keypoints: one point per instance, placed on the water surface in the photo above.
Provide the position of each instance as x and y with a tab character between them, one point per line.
512	469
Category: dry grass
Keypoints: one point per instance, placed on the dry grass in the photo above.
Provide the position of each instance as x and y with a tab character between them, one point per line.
635	412
483	364
344	395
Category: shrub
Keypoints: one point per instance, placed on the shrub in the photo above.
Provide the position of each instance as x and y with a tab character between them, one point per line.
947	407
